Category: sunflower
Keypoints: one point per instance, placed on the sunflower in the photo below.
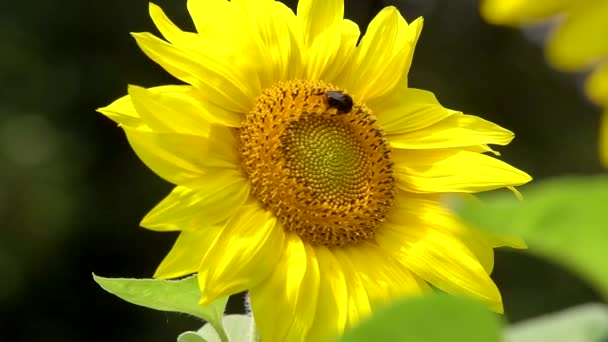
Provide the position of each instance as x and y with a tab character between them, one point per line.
307	171
577	43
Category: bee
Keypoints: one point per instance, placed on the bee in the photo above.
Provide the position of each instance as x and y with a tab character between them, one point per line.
337	99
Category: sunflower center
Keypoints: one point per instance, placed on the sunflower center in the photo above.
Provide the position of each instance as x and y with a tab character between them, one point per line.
318	162
325	155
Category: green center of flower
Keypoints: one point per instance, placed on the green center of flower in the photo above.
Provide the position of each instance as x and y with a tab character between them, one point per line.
325	155
318	162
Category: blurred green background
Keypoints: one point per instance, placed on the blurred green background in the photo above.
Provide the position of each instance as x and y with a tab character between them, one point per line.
72	192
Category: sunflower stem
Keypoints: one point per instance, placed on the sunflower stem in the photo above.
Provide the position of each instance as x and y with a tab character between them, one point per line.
221	331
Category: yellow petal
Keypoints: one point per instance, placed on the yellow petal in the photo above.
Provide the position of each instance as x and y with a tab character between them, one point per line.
413	210
596	85
221	21
350	36
218	20
604	138
180	158
123	112
208	15
187	252
359	303
407	110
481	249
242	255
451	170
214	198
228	78
170	31
383	56
433	210
456	130
515	12
272	21
580	40
332	306
482	149
384	277
440	259
321	23
177	112
284	305
186	103
223	148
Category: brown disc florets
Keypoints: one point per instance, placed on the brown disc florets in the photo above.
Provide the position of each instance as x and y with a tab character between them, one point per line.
318	162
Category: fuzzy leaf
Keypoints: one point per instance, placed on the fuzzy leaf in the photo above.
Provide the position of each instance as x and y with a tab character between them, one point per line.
431	318
564	220
238	329
190	336
583	323
166	295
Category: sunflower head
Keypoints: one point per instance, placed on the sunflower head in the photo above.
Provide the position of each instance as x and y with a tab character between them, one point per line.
318	162
306	170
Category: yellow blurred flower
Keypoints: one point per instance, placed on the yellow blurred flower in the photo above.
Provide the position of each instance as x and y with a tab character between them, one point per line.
577	43
306	170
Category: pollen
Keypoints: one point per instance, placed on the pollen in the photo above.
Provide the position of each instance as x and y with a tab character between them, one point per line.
325	173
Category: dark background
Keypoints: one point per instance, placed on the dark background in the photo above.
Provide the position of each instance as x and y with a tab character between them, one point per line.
72	192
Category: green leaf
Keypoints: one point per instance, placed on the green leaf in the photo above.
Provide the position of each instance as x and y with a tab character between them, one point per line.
584	323
166	295
190	336
430	318
564	219
238	329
